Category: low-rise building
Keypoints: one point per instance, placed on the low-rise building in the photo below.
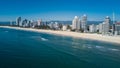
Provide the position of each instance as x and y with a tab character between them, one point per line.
64	28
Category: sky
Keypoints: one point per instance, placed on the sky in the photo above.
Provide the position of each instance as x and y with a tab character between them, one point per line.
63	10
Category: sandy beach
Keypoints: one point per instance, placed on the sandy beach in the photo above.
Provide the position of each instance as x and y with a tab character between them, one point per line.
99	37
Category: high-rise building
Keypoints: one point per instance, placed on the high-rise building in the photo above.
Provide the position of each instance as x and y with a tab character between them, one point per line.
107	24
100	28
104	27
117	28
24	23
18	21
107	20
56	25
51	25
76	23
29	23
84	23
39	22
92	28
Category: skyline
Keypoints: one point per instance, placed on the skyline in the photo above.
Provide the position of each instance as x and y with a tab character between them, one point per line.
58	9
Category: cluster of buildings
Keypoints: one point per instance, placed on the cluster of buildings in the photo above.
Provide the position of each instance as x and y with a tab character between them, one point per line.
55	25
107	27
78	25
104	28
36	24
27	23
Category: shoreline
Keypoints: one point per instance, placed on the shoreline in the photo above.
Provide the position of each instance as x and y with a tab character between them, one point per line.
98	37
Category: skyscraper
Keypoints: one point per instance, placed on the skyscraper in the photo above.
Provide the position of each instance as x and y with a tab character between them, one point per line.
51	25
56	25
24	23
39	22
76	23
107	22
117	28
106	25
100	27
18	21
84	23
92	28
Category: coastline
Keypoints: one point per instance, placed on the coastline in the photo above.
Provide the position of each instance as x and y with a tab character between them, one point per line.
98	37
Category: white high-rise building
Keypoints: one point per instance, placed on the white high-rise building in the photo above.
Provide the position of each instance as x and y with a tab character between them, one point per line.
56	25
105	26
117	28
18	21
107	20
84	23
76	23
51	25
92	28
39	22
100	28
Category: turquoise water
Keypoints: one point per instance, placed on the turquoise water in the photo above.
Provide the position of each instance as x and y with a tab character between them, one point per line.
25	49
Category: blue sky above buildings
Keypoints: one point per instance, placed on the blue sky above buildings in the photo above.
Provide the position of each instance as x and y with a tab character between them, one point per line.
58	9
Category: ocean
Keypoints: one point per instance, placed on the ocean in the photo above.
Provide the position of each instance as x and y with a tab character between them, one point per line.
26	49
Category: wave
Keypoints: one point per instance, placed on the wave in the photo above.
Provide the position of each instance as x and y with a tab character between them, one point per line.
44	39
85	46
112	49
39	38
99	47
106	49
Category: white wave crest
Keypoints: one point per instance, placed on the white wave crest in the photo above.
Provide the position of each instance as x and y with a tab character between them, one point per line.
114	49
44	39
100	47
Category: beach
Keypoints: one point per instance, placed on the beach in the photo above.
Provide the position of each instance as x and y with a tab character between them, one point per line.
98	37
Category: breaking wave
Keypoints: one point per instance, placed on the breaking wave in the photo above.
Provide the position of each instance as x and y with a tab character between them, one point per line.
39	38
44	39
114	49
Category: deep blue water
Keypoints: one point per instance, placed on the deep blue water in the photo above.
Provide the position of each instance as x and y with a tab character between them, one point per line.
25	49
